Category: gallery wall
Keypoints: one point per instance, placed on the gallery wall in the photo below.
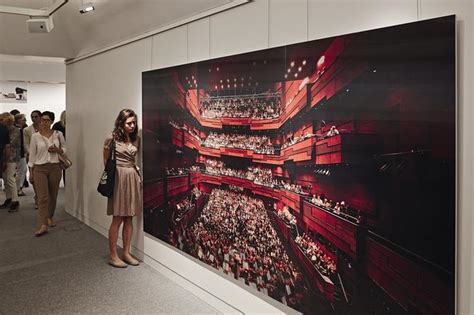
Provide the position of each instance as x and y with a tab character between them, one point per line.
43	77
99	86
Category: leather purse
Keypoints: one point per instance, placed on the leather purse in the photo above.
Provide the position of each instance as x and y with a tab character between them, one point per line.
107	180
64	161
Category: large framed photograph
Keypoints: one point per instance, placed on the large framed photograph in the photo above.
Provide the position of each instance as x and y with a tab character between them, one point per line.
320	174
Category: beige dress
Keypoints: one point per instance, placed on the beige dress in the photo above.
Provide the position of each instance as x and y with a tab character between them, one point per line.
127	198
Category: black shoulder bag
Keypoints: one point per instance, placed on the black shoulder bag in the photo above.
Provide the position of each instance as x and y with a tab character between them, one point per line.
107	180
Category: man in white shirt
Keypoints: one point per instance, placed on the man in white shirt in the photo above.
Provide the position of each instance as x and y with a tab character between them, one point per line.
28	132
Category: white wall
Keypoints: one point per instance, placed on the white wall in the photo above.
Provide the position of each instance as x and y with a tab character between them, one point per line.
44	79
101	85
41	96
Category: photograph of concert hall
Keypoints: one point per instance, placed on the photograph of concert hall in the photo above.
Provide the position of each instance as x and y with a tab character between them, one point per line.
319	174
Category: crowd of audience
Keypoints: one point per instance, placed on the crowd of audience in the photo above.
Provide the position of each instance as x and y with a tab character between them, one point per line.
242	107
182	208
234	234
338	207
256	174
258	144
178	171
285	214
323	262
292	187
293	140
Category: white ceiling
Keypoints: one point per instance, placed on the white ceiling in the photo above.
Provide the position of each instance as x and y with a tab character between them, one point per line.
76	34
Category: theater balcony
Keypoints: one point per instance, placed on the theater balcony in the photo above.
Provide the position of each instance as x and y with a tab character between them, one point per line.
349	148
154	194
298	152
343	233
317	280
236	181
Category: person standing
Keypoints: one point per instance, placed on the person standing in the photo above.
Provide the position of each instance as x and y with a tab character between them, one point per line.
34	127
127	199
9	174
5	152
61	126
28	133
45	173
20	122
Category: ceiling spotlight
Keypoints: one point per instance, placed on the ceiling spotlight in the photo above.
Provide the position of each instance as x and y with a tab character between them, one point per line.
286	76
217	69
86	8
304	62
299	69
289	70
292	64
296	75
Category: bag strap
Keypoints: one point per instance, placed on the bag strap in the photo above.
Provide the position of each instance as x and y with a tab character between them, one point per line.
112	149
59	139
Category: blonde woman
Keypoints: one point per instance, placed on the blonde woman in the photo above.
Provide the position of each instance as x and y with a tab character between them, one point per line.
45	173
61	124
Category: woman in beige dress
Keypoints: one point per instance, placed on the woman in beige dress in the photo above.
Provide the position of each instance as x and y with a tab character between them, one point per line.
127	199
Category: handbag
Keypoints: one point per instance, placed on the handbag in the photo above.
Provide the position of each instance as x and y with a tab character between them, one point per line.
107	180
64	161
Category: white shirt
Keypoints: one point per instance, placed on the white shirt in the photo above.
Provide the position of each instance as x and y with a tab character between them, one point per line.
27	133
39	145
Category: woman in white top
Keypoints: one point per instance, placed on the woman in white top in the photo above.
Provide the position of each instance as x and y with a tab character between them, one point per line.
45	172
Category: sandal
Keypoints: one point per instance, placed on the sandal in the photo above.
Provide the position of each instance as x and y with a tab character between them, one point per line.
117	264
42	231
132	261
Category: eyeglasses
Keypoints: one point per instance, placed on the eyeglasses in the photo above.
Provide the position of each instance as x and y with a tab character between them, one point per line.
46	120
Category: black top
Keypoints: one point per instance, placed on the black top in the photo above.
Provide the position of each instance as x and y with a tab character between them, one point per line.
57	126
4	136
4	140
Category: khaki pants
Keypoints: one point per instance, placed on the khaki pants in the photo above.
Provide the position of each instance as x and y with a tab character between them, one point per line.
10	183
46	182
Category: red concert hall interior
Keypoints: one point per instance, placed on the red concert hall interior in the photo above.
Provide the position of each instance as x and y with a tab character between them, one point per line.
320	174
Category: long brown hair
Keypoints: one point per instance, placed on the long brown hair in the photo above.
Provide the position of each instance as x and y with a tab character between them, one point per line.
119	132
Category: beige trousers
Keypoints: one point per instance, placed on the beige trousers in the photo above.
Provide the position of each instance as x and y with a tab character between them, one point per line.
46	182
10	182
